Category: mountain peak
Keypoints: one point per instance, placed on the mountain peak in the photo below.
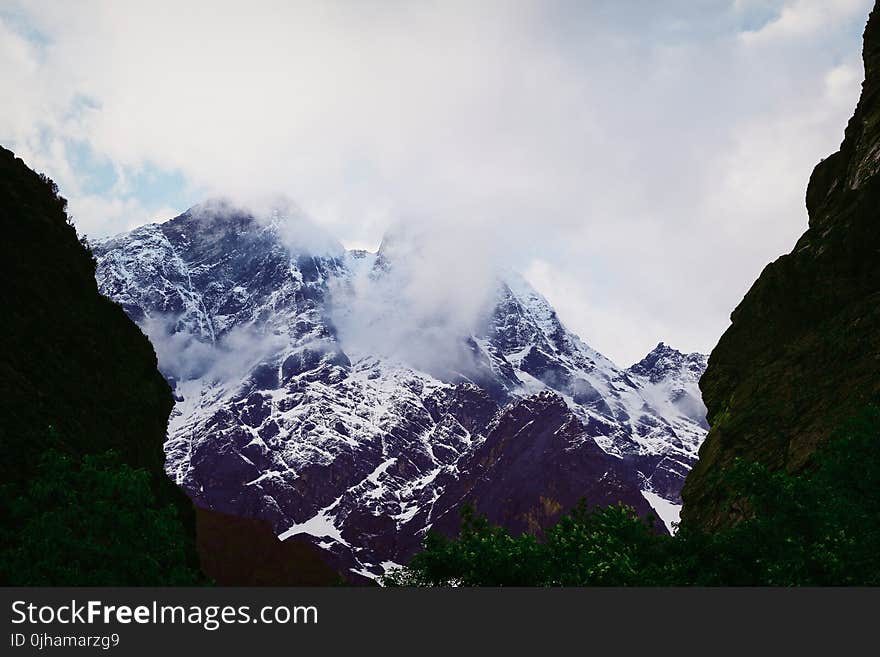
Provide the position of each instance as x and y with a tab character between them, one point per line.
350	402
663	361
275	217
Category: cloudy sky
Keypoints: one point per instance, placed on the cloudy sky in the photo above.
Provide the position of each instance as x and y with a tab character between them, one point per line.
639	161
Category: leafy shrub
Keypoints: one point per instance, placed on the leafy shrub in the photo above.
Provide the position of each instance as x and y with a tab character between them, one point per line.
91	521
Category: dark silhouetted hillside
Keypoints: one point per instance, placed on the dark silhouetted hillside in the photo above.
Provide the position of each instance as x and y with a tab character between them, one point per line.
803	351
77	378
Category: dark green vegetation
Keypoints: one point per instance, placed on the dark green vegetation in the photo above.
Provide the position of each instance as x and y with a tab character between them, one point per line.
92	520
818	527
803	350
77	378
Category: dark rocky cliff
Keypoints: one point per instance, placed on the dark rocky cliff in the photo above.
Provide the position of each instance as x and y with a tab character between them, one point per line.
803	351
76	375
70	358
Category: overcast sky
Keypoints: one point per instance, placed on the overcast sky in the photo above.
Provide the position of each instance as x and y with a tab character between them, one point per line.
639	161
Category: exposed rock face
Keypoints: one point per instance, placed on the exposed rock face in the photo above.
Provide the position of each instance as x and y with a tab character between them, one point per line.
525	472
284	415
803	351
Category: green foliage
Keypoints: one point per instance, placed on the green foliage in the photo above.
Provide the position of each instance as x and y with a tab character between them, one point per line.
606	546
483	555
91	521
821	527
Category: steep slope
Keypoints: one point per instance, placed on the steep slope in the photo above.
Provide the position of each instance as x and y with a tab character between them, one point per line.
803	350
288	413
534	463
71	358
76	375
669	380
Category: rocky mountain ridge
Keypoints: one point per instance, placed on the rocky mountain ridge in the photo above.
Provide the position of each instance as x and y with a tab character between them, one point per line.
278	418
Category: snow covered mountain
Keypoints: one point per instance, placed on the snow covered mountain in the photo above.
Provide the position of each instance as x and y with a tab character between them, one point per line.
316	391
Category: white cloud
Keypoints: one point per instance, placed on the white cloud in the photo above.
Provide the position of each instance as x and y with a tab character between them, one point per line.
435	286
804	18
96	215
651	157
600	319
